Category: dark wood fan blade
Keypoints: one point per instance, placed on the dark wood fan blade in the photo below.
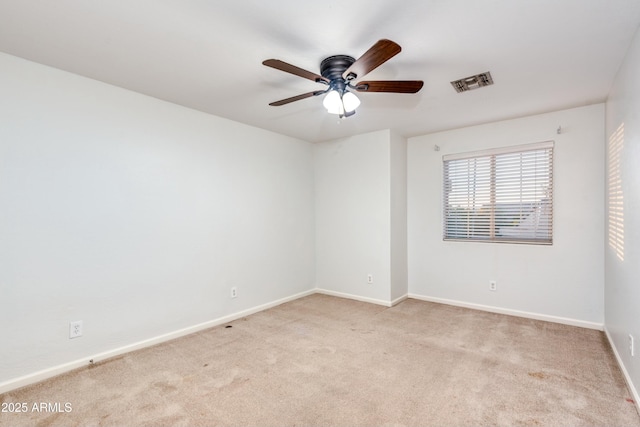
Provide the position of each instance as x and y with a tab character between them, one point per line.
297	98
395	86
283	66
377	55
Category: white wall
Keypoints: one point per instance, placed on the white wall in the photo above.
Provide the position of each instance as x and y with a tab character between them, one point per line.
622	265
564	280
137	216
399	267
352	188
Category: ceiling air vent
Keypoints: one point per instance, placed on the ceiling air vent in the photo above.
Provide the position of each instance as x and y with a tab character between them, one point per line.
472	82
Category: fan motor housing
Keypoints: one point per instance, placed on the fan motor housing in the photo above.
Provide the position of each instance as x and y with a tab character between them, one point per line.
333	67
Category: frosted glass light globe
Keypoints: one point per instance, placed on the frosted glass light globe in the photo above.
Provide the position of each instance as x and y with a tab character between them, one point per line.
350	102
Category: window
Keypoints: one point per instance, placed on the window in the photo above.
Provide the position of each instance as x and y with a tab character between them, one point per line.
499	195
616	193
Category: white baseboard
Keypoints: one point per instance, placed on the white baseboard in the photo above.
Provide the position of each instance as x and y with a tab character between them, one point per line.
627	378
399	300
354	297
66	367
510	312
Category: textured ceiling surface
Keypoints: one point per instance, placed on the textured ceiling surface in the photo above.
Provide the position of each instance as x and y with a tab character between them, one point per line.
543	55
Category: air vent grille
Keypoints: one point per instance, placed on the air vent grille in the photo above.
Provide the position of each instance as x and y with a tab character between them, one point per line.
472	82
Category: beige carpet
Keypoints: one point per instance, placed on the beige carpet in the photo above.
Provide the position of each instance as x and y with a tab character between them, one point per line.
326	361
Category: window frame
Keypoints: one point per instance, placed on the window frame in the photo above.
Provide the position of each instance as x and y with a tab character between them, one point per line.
534	216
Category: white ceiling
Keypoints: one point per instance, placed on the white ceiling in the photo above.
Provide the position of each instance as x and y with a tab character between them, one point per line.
544	55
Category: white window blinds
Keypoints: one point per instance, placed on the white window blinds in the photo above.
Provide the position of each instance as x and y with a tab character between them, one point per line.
500	195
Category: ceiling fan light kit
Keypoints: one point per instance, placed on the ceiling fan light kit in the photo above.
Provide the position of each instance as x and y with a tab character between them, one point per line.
338	100
340	104
340	72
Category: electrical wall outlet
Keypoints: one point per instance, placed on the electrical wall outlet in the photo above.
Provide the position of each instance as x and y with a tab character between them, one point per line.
493	286
75	329
234	292
369	278
631	346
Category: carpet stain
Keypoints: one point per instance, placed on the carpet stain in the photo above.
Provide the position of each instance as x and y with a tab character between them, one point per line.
363	331
305	368
165	387
324	350
531	422
575	404
229	377
539	375
271	359
48	421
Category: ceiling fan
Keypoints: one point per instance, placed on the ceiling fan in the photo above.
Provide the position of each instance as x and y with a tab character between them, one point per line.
340	73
